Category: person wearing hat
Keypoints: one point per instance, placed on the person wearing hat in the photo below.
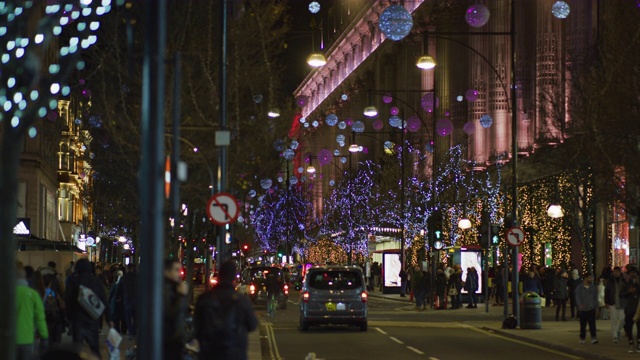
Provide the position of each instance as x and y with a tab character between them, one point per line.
573	283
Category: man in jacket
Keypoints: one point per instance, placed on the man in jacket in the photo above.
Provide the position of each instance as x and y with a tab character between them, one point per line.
29	317
84	327
573	283
615	302
560	293
223	318
175	308
471	285
129	287
587	301
631	293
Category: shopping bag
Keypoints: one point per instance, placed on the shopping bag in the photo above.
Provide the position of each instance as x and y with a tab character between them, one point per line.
113	344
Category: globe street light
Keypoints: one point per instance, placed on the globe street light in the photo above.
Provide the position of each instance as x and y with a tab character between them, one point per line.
555	211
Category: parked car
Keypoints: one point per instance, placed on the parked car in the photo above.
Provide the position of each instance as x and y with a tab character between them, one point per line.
253	285
334	295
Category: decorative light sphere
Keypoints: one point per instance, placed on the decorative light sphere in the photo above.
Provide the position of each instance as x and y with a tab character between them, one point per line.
293	180
444	127
331	119
294	144
469	128
394	110
486	121
342	125
302	101
257	99
324	157
266	183
394	121
377	124
344	97
288	154
471	95
560	10
413	123
315	123
427	102
314	7
387	99
459	98
336	152
300	170
303	120
358	126
332	182
477	15
343	159
395	22
348	121
340	138
306	124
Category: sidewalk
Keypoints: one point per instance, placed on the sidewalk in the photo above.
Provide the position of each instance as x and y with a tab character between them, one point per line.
558	335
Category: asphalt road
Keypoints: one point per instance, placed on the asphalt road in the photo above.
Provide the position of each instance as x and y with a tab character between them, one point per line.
393	333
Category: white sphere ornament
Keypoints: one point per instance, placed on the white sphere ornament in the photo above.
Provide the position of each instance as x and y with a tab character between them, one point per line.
560	10
395	22
331	119
314	7
486	121
477	15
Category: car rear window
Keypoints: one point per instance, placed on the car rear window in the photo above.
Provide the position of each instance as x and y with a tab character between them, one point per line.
335	280
261	273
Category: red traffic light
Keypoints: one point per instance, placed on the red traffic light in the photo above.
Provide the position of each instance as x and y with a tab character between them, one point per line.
245	247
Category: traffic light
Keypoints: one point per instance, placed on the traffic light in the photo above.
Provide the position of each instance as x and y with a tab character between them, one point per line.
245	249
495	234
435	227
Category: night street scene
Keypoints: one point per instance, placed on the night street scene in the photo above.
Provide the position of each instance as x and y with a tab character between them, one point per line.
319	180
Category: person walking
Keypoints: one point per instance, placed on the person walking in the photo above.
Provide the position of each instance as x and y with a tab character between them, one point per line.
471	284
549	277
499	280
631	292
129	288
116	302
54	312
223	318
441	290
573	283
175	309
455	287
417	286
30	317
587	302
84	327
560	293
403	282
615	302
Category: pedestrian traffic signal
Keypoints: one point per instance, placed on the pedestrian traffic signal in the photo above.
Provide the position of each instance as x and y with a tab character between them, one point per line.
434	224
495	234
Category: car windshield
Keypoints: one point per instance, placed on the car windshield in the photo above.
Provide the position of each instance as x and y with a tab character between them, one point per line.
335	280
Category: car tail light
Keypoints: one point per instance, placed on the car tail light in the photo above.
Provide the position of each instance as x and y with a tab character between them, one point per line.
286	289
252	289
213	281
364	297
305	297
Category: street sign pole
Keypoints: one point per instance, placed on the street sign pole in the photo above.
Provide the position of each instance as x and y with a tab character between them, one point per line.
222	161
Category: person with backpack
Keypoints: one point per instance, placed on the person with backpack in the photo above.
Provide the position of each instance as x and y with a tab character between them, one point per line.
175	309
54	313
223	317
85	324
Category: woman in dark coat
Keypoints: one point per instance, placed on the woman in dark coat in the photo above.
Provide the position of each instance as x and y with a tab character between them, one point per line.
561	294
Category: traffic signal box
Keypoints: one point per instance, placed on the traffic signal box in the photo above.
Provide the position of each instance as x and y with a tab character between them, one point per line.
434	223
489	233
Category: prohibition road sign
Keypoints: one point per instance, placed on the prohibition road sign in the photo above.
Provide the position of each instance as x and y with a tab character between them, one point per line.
223	209
515	236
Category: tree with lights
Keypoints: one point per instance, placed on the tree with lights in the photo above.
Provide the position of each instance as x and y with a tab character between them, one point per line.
36	65
282	217
354	207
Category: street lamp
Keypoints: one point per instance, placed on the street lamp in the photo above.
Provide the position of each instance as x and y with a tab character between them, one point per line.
311	169
426	62
274	113
370	111
464	224
555	211
316	60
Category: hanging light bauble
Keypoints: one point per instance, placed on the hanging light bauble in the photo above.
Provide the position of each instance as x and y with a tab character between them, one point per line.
560	10
477	15
331	119
377	124
469	128
471	95
395	22
444	127
413	123
427	102
486	121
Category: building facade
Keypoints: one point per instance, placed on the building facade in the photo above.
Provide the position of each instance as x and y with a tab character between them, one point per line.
471	85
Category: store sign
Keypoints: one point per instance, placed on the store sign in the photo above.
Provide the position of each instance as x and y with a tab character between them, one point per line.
22	227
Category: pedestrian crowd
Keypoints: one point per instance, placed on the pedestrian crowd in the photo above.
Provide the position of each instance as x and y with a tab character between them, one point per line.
89	296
